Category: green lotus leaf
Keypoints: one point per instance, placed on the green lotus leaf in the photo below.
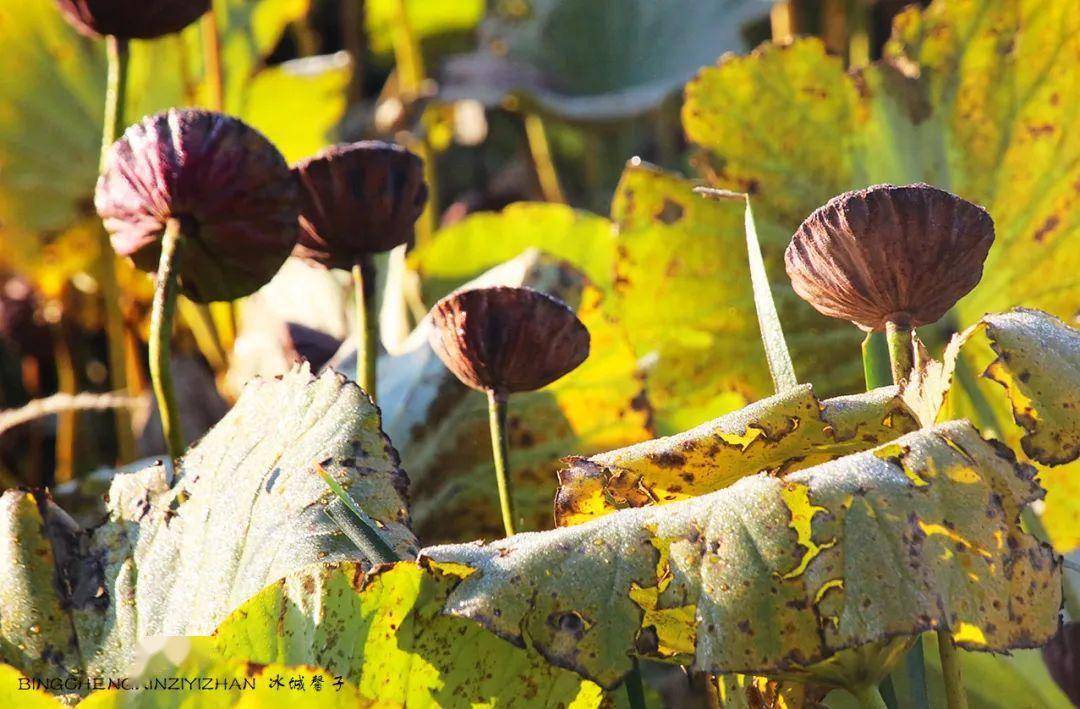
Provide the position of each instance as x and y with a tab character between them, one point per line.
621	57
783	575
441	426
386	635
778	435
246	508
177	676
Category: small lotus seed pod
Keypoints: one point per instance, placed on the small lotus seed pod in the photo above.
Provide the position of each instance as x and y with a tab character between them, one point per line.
507	340
358	199
890	254
131	19
227	184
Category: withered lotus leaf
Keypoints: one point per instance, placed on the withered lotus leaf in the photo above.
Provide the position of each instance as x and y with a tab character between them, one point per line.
887	253
507	339
227	184
358	199
145	19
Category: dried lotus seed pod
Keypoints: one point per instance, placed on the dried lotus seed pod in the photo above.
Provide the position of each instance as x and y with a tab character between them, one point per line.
507	340
890	254
358	199
228	185
128	19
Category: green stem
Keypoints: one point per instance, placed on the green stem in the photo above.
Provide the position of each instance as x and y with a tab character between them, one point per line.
540	149
161	320
869	698
112	126
215	75
367	324
500	451
876	363
901	354
635	689
881	353
950	671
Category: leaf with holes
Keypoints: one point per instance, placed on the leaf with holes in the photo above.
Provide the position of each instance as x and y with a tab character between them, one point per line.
783	575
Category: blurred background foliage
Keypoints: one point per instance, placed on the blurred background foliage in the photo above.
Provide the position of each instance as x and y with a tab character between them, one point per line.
600	115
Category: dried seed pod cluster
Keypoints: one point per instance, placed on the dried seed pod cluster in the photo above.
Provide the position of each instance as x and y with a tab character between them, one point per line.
358	199
507	339
890	254
131	19
229	186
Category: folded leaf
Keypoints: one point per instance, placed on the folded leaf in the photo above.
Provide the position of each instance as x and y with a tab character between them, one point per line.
385	634
778	435
1038	364
246	508
776	575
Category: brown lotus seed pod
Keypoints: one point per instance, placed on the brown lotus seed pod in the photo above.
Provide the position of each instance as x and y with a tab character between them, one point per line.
227	184
506	339
1062	657
358	199
131	19
890	254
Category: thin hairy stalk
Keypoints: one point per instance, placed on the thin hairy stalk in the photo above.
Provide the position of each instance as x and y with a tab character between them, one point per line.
112	126
161	321
64	402
500	452
901	352
367	325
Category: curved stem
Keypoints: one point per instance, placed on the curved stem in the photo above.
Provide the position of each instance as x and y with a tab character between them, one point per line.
876	362
500	451
901	354
950	671
161	320
115	103
367	324
635	689
869	698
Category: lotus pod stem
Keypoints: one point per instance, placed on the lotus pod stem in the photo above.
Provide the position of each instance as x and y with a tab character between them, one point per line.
500	452
367	325
161	319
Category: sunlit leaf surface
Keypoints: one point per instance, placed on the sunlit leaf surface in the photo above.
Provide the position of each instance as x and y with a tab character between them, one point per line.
775	575
777	435
246	509
385	634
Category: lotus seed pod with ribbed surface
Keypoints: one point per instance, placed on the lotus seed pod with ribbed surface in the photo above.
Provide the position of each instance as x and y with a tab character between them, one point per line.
507	340
131	19
890	254
358	199
231	189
